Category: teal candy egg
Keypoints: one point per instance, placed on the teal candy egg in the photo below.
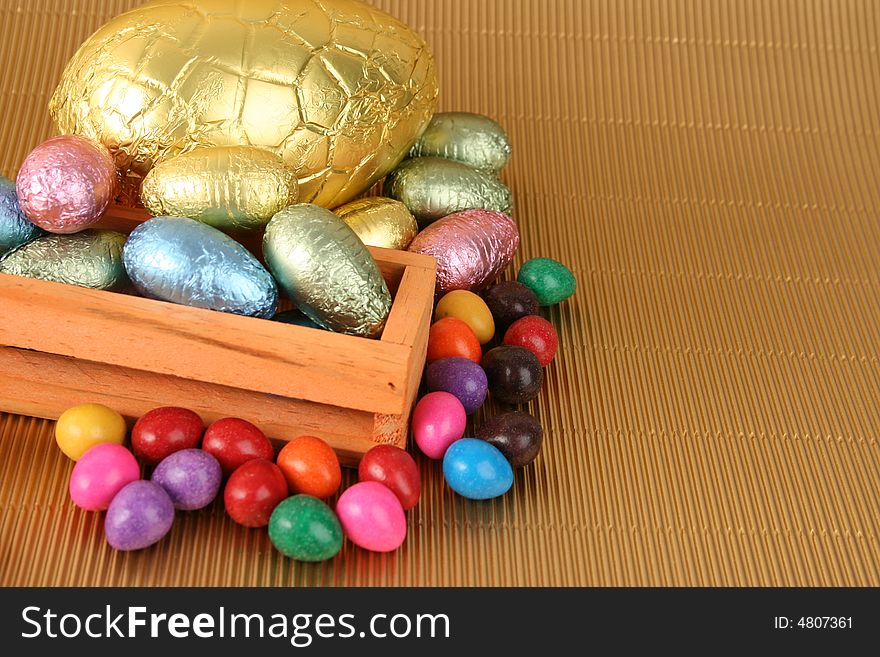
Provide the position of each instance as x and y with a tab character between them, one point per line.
476	469
15	228
550	280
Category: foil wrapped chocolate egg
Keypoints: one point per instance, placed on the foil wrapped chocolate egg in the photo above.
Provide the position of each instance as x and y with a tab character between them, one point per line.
91	258
66	183
338	89
380	222
433	187
184	261
471	139
326	270
471	248
15	228
233	188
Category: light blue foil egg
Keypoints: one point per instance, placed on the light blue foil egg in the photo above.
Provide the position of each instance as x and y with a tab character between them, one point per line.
15	229
185	261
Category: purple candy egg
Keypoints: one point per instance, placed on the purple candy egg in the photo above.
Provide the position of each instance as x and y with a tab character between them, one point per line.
191	477
460	377
140	515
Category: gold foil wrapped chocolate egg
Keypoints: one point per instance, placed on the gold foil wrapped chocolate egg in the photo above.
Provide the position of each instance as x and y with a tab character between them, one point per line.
433	187
338	89
471	139
326	270
233	188
380	221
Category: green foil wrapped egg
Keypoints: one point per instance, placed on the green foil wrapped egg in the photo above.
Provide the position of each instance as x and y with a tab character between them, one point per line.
233	188
433	187
471	139
91	258
380	222
326	270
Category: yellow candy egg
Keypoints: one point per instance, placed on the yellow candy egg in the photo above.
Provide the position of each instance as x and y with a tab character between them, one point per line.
470	309
82	427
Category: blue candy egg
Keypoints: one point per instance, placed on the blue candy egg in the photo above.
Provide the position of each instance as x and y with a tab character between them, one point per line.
185	261
15	228
476	469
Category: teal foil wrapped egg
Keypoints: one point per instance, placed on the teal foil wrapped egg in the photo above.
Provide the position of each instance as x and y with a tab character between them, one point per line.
326	270
187	262
15	228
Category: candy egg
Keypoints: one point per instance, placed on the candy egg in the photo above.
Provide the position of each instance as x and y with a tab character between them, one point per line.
451	337
535	334
92	258
233	442
471	139
233	188
191	477
514	374
516	434
477	470
304	528
163	431
185	261
253	491
460	377
508	301
380	221
372	517
432	187
394	468
140	515
438	420
66	183
550	280
469	308
310	466
326	270
471	248
15	228
81	427
100	473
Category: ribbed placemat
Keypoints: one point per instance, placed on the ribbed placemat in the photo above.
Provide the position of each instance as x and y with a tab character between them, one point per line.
711	172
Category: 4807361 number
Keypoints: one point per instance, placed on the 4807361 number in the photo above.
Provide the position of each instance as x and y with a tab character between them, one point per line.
814	623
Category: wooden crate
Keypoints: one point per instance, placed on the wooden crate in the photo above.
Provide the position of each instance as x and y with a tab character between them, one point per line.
62	345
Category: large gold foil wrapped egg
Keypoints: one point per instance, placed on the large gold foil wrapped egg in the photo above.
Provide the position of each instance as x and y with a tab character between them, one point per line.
233	188
338	89
380	222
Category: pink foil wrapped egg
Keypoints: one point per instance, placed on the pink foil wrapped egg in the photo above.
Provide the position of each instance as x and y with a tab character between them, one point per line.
66	183
471	247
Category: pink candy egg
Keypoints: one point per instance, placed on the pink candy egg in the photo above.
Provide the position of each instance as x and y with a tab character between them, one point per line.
438	421
66	183
100	473
372	517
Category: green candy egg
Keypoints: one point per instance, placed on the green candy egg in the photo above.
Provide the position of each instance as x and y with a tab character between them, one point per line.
550	280
302	527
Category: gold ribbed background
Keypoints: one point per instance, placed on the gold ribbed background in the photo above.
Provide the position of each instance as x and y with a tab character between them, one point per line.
711	172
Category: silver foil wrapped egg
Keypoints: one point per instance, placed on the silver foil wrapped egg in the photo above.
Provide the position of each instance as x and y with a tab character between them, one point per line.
326	270
15	228
184	261
471	139
91	258
433	187
471	248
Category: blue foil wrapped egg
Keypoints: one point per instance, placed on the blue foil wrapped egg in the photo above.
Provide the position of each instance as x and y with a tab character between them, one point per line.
15	228
187	262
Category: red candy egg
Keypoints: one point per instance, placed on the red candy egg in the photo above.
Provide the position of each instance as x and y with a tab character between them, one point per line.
535	334
253	491
164	431
310	467
396	469
451	337
233	442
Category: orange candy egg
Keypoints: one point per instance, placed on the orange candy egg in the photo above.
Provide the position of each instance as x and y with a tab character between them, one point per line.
310	467
450	337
